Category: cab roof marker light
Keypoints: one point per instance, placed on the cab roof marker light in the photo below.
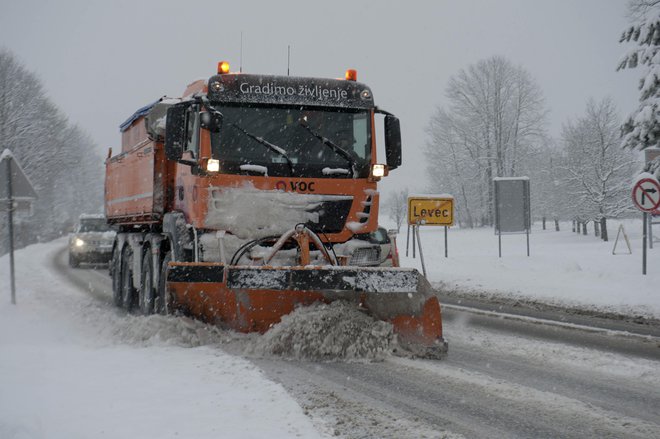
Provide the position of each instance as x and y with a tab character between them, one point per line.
351	75
223	67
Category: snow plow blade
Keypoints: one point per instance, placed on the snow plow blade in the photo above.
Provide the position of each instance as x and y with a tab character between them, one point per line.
248	299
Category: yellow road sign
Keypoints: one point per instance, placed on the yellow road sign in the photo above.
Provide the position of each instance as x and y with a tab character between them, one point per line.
431	211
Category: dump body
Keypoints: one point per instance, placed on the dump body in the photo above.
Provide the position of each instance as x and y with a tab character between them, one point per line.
247	197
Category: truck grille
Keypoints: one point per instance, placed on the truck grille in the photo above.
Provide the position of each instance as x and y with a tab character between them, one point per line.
332	216
250	211
366	256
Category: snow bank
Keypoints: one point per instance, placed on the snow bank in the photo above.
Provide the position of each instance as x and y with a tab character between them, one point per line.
74	367
564	269
166	331
338	331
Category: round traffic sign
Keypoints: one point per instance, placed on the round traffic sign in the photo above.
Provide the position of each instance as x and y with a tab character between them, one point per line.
646	194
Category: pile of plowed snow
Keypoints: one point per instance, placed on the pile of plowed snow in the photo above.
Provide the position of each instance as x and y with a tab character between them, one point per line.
320	332
167	330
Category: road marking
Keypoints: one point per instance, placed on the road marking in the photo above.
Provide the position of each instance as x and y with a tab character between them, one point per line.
539	321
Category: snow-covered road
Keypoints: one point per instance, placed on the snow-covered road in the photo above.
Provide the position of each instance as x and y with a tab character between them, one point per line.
73	366
494	383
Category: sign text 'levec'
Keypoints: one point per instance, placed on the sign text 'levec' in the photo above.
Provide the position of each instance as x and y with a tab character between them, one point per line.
431	211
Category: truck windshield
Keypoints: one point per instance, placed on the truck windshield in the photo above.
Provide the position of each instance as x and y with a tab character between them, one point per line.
300	132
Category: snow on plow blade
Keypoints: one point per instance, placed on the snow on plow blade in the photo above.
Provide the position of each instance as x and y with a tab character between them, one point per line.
250	299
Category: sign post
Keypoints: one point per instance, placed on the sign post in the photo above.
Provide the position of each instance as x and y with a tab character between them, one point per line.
429	210
646	194
512	208
17	189
646	197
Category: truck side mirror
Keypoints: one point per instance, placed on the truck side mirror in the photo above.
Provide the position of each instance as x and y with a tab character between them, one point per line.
175	131
211	120
392	142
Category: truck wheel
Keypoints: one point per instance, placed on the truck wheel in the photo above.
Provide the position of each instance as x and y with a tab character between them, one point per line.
128	293
73	262
115	273
146	292
163	302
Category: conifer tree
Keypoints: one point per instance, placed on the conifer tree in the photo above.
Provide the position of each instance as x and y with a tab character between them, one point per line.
641	129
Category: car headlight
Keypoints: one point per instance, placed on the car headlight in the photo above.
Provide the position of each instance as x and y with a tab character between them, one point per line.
79	242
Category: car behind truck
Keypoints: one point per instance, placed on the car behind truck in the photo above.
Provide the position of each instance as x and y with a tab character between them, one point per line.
91	241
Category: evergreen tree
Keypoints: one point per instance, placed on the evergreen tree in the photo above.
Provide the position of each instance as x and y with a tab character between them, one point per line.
641	129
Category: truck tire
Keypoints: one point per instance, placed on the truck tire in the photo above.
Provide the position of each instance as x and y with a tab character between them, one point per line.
146	292
115	274
128	293
162	302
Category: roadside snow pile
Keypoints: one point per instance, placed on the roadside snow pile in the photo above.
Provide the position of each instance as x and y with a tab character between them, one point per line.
166	330
337	331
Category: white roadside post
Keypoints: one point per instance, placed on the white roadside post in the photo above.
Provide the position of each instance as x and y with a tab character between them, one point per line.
419	243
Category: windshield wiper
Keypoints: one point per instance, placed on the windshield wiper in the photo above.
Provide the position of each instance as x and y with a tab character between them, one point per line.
276	149
333	146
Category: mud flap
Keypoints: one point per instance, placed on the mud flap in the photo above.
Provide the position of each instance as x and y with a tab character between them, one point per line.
255	298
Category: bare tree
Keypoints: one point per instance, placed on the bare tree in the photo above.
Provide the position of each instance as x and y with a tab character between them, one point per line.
598	170
547	168
494	117
58	158
397	207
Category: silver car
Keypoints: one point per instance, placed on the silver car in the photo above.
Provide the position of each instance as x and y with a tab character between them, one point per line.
381	240
91	241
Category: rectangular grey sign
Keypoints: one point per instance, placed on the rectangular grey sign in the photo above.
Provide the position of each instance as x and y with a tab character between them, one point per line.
512	205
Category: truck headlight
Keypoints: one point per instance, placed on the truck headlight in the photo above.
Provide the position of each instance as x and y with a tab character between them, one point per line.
79	242
378	171
213	165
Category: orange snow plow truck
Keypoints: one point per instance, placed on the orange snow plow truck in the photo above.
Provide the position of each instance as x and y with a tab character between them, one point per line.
244	199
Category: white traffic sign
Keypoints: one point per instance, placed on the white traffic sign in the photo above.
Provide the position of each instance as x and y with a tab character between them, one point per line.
646	194
12	177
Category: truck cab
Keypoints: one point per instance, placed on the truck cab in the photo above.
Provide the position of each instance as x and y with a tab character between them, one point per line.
248	157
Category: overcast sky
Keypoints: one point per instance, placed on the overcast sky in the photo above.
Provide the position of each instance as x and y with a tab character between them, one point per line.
101	60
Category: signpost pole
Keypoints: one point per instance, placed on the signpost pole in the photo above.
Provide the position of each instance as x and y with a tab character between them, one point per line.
446	248
10	229
527	242
644	236
407	240
414	230
421	255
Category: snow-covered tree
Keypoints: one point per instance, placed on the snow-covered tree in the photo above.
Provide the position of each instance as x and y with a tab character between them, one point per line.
598	170
493	120
58	158
547	172
397	207
642	128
